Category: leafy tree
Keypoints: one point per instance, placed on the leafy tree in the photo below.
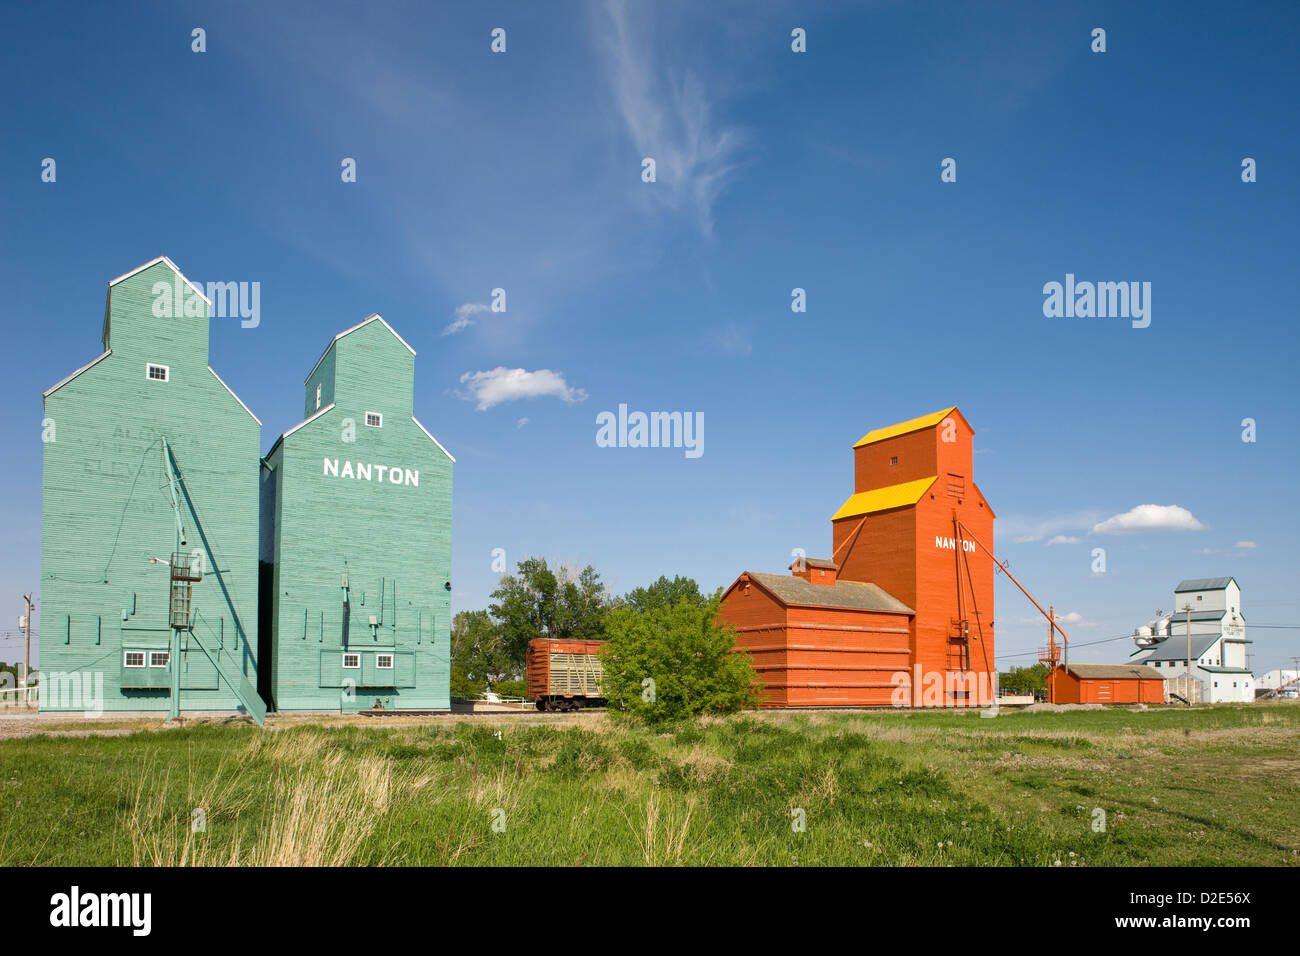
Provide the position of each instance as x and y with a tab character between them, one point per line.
665	593
1024	680
671	661
538	602
478	656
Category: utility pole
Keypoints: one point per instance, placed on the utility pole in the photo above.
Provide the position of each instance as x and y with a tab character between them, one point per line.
1188	609
27	658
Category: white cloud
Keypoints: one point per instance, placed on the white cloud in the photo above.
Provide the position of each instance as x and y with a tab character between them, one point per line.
668	115
503	384
1062	539
522	422
1149	518
1026	528
463	320
1245	544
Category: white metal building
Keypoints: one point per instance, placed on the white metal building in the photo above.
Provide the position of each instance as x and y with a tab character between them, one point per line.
1277	678
1206	624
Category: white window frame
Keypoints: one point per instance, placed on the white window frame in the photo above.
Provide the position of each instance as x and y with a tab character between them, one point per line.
127	655
318	397
166	655
166	370
378	415
379	662
356	657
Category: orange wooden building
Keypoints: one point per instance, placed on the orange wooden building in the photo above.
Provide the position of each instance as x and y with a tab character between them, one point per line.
909	529
1106	684
818	640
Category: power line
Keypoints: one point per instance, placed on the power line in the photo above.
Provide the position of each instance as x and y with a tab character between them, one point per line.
1109	640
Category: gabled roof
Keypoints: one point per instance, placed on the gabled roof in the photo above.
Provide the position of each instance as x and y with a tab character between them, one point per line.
1175	648
902	428
1115	672
103	337
817	563
881	499
171	265
850	595
1203	584
376	317
306	421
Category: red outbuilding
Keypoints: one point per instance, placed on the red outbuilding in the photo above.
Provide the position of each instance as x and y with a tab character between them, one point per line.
1106	684
817	640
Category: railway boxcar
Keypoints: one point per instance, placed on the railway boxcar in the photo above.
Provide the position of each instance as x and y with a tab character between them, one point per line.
565	674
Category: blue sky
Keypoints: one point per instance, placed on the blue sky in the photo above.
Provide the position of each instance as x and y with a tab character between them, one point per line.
775	170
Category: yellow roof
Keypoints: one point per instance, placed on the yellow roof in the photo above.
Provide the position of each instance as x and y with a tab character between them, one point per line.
902	428
879	499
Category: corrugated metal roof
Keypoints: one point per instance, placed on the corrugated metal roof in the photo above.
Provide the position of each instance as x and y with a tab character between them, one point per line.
1225	670
1175	648
1202	584
1180	617
880	499
902	428
1115	672
853	595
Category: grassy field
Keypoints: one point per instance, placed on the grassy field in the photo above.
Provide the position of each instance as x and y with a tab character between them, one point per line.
1214	786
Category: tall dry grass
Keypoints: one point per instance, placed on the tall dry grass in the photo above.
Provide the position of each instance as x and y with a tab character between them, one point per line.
322	806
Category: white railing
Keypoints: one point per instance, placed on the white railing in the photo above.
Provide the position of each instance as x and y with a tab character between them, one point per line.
30	695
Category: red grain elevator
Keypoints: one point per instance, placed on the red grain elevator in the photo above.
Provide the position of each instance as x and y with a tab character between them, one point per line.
909	529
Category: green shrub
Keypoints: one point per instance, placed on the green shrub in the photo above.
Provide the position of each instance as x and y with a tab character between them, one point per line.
671	661
510	688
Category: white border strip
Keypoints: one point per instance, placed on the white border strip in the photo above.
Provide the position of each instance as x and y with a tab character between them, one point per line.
434	440
138	269
54	388
233	395
366	321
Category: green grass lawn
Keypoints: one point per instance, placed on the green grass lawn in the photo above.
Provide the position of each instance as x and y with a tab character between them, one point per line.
1214	786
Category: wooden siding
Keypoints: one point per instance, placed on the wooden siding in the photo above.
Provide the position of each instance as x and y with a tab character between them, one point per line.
106	509
392	540
817	655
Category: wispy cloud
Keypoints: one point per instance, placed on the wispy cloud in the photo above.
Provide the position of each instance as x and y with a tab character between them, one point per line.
1062	539
733	339
668	114
463	320
1149	518
522	422
503	384
1027	528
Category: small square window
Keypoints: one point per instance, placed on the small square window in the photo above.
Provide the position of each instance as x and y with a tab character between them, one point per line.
157	373
351	661
158	658
133	659
384	662
374	419
894	460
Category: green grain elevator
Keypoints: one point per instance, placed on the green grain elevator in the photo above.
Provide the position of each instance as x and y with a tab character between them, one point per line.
149	542
356	540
